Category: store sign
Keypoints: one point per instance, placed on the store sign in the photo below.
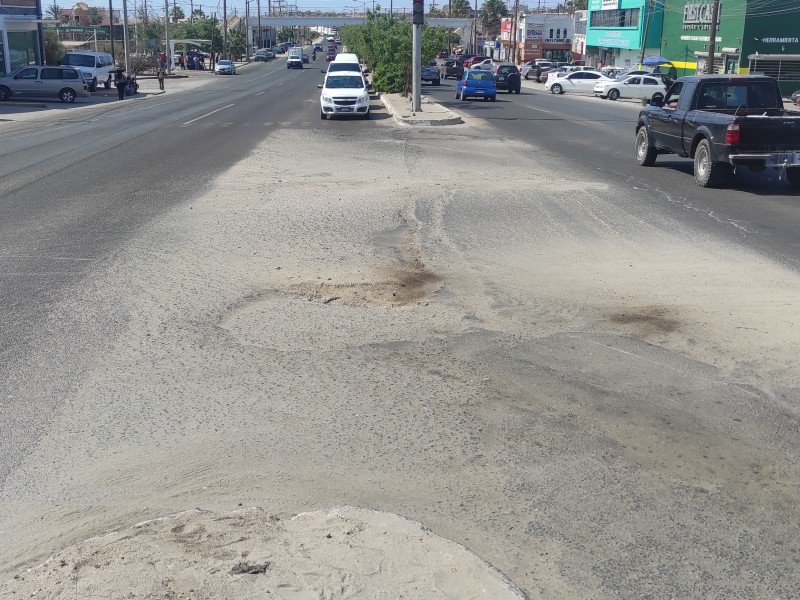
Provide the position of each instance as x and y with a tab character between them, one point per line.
603	4
535	32
698	16
609	38
780	40
556	41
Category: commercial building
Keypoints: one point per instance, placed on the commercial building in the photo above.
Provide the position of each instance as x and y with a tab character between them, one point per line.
617	30
548	36
753	36
20	34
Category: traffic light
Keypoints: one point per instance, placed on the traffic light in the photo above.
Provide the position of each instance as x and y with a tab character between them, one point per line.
418	11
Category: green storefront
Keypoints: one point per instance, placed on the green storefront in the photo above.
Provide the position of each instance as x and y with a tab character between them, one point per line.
759	36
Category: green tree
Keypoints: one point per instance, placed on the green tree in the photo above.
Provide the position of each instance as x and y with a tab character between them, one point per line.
176	13
237	43
460	8
202	29
385	44
94	16
491	13
53	48
198	14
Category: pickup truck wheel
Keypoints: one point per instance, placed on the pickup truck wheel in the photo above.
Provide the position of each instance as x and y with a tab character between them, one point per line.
793	175
613	94
706	171
645	153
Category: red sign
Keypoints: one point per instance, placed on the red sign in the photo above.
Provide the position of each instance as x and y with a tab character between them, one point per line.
505	25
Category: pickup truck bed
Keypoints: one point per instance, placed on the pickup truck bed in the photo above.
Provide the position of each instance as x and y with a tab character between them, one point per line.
722	122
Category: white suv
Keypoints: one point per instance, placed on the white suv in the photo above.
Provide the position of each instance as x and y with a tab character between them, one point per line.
344	93
94	66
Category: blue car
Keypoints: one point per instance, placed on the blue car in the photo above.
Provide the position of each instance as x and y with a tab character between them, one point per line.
476	83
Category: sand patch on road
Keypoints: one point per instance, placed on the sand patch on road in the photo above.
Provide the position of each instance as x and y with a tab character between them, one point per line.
346	552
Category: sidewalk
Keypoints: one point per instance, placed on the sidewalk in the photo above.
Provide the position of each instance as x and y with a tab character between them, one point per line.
29	110
431	113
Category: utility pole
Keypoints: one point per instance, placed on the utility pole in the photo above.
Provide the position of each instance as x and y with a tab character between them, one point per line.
712	36
224	28
125	33
417	18
168	50
111	27
646	28
514	34
247	29
260	44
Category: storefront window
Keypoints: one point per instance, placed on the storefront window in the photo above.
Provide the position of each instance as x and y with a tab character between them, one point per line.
2	56
22	48
615	18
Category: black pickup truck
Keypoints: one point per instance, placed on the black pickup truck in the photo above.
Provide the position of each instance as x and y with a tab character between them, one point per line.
723	122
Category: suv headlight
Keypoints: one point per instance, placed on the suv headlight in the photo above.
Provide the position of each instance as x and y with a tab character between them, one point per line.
326	98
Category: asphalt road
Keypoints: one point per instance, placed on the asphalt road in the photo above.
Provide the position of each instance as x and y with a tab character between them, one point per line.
582	370
596	136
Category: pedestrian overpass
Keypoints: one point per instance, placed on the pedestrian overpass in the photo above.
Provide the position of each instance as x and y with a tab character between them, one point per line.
292	21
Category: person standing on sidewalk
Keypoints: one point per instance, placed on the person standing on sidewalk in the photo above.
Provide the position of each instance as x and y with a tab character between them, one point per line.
120	82
161	76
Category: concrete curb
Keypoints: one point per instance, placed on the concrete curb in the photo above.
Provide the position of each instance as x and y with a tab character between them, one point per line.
453	119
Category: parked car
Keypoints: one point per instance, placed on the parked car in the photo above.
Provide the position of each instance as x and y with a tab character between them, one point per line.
577	81
611	72
552	73
507	77
431	73
44	81
635	86
344	93
722	122
796	97
478	83
225	67
94	66
531	68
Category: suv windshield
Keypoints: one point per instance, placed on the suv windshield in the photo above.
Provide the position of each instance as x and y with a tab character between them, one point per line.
78	60
344	81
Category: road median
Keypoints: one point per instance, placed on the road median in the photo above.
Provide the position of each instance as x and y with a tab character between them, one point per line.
432	113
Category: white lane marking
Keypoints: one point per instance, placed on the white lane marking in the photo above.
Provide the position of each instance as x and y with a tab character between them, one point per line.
538	109
259	93
281	83
208	114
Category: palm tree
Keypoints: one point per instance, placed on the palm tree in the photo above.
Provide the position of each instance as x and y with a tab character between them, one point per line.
198	14
460	8
54	11
491	13
176	13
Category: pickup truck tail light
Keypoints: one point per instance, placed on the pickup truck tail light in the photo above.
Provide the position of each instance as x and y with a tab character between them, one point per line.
732	134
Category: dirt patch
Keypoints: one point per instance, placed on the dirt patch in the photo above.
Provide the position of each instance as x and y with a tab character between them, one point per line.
646	321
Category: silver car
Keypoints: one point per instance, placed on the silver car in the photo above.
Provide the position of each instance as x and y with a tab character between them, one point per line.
225	67
44	81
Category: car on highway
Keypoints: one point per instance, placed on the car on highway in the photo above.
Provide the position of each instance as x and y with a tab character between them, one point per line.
330	55
485	63
577	81
305	58
44	81
468	62
225	67
263	55
507	77
636	86
344	93
430	73
476	83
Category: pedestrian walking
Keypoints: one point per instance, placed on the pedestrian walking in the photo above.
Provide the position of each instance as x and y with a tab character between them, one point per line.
161	76
182	62
162	60
120	82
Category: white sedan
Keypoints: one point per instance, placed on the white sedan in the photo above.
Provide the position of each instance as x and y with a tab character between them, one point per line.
634	86
486	63
577	81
